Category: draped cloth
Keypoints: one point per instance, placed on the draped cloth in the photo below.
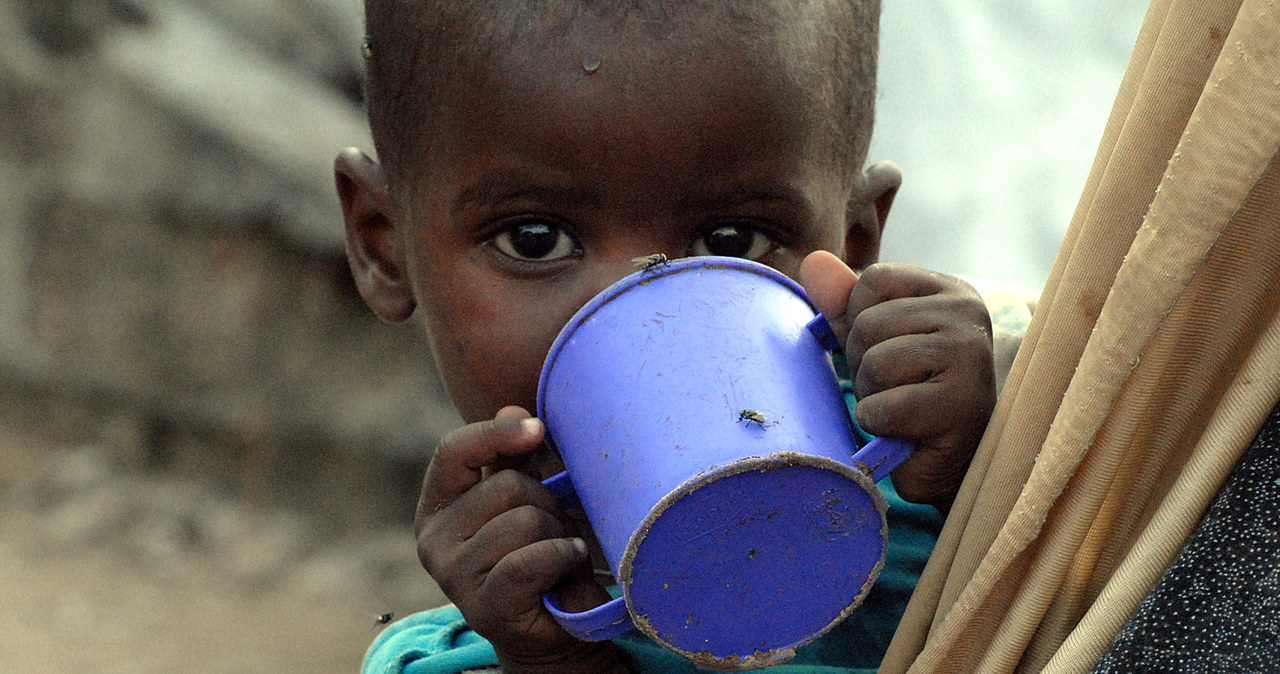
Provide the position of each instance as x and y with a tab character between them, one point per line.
1151	362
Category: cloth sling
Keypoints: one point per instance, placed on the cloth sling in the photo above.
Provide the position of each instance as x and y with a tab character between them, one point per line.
1150	364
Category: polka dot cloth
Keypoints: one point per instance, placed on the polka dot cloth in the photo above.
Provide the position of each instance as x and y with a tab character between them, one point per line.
1217	609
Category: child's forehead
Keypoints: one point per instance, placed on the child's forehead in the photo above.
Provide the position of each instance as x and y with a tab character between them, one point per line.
729	50
561	53
681	81
752	32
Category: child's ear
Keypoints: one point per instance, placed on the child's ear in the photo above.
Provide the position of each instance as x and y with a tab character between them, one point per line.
868	209
373	247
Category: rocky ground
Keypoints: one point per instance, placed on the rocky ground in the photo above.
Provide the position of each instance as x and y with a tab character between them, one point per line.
109	565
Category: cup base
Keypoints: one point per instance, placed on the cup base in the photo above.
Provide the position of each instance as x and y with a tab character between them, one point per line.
738	567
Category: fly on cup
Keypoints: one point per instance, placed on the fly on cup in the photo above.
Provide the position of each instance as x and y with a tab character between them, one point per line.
705	434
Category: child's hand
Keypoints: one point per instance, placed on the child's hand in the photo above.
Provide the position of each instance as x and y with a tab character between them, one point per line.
919	346
495	540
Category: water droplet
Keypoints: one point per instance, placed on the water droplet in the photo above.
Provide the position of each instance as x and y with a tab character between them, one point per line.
590	62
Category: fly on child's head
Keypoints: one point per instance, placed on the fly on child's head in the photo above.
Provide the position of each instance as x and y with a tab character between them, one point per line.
533	150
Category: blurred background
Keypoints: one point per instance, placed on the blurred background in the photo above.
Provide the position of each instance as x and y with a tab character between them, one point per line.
209	448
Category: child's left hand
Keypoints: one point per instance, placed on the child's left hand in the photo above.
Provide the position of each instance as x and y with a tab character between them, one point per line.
919	346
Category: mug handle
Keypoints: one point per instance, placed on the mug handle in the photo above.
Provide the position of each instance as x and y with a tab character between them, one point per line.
880	455
603	622
821	329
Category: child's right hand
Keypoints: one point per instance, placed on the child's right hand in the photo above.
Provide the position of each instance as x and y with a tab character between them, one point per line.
495	539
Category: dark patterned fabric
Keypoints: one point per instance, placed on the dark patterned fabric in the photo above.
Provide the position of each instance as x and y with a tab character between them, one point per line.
1217	609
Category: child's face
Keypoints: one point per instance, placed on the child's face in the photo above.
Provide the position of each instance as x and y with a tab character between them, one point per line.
550	169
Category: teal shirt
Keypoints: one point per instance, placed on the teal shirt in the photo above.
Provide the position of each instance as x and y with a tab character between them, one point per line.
439	641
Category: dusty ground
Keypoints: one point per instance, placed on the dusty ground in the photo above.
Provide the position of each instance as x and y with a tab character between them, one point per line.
108	566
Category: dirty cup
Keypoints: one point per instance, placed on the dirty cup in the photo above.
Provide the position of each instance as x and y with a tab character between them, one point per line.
704	433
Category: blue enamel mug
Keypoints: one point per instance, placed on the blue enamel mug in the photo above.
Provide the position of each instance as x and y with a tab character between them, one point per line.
704	433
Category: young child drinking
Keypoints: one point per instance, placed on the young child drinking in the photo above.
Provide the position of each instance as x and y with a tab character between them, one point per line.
529	151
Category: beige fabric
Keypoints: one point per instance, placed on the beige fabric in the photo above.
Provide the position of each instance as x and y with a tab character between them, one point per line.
1233	425
1144	373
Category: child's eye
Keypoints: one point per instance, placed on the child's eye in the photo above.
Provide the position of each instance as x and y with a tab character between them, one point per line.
733	241
535	241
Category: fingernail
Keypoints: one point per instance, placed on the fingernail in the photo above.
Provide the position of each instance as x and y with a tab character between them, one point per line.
530	425
579	545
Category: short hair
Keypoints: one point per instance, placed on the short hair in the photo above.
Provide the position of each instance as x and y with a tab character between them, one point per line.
406	35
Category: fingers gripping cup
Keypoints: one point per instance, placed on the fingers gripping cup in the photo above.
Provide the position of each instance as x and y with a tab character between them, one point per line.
703	430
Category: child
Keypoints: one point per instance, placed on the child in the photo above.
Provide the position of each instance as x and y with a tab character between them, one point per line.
529	151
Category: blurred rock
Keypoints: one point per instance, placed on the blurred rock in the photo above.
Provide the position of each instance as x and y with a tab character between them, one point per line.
87	519
381	565
272	548
170	244
72	471
81	503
